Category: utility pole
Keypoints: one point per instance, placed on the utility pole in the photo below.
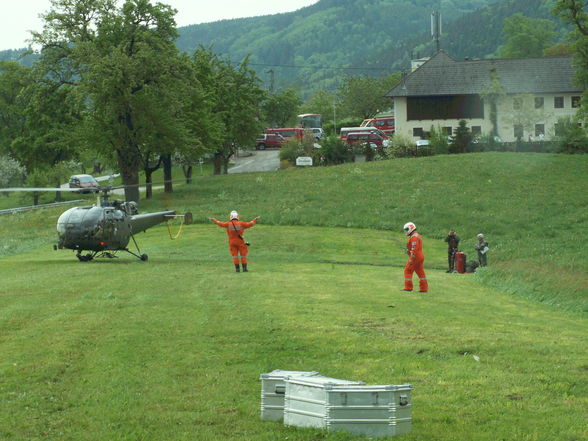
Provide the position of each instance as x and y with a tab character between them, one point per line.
271	72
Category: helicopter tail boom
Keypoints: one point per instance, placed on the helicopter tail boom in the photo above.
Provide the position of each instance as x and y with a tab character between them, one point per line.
141	222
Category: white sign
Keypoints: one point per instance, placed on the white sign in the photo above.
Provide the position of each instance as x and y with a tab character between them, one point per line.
303	161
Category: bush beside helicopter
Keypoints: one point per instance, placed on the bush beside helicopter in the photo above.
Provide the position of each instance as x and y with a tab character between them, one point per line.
105	228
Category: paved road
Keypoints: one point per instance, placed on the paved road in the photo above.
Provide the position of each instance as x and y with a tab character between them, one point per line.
258	161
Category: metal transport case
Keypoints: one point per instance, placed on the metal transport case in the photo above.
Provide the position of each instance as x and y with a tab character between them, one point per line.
328	403
273	390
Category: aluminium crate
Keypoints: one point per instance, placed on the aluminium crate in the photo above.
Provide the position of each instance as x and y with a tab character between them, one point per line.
372	410
273	389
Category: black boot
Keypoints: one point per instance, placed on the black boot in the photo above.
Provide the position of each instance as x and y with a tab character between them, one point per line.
237	268
244	267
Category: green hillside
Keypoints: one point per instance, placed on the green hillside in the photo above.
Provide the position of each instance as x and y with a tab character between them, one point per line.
316	46
172	349
309	46
477	34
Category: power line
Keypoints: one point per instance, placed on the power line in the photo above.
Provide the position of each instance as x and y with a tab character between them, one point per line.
292	66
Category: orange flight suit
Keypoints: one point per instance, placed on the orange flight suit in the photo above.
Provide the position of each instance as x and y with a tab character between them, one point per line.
416	262
236	228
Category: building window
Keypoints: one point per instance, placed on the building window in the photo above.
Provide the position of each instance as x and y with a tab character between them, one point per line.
540	130
517	103
447	131
518	131
558	102
539	102
476	130
576	101
418	131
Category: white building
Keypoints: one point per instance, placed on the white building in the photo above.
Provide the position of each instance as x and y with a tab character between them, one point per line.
530	94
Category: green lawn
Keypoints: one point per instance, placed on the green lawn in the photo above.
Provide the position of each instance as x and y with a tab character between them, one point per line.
172	349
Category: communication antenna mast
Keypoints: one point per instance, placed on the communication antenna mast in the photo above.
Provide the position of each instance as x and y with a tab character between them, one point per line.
436	28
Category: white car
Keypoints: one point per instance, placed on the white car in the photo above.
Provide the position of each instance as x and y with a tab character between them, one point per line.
318	133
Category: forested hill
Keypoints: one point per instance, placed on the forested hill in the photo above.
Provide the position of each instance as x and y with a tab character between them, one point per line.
323	37
314	47
474	35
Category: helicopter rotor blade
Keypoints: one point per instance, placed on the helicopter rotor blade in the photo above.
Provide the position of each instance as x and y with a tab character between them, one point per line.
7	190
102	188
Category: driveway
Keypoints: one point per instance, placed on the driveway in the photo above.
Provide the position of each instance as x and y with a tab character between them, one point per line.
256	161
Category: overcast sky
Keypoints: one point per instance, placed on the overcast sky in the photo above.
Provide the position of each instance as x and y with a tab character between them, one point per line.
21	16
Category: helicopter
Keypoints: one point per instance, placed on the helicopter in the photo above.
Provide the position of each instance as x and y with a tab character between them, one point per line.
105	228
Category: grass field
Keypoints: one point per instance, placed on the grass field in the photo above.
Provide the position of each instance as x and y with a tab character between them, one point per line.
172	349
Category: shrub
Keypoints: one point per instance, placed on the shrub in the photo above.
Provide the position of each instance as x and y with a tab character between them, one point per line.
462	140
439	143
571	137
12	173
335	151
290	150
401	146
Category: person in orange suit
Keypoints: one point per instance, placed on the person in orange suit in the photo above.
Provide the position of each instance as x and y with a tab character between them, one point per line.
237	245
416	259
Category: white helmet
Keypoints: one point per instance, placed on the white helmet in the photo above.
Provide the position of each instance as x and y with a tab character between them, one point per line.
234	215
480	236
409	227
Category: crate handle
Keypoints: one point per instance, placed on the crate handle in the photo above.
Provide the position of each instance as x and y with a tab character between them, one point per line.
403	400
375	398
280	389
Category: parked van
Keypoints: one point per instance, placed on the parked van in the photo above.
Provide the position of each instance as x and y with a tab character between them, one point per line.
288	133
375	139
386	124
346	130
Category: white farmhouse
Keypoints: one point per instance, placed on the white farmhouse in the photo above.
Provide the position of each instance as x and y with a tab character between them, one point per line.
519	97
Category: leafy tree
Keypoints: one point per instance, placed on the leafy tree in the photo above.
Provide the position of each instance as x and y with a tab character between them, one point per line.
322	102
526	37
39	177
364	96
558	50
14	79
126	70
281	108
236	98
574	13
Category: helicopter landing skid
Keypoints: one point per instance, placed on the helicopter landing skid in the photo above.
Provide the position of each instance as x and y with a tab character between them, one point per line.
108	255
85	257
143	257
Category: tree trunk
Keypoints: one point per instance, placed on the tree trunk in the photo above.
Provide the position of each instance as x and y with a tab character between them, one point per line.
217	163
167	173
128	163
187	169
58	197
148	183
226	165
148	175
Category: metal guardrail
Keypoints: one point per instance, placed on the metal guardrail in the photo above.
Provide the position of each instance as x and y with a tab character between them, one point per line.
35	207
